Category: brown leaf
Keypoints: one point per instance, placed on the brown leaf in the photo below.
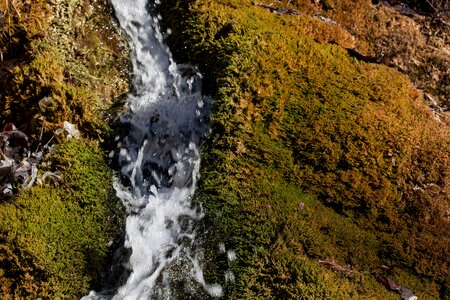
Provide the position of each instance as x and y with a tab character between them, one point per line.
330	263
388	283
391	285
278	10
8	127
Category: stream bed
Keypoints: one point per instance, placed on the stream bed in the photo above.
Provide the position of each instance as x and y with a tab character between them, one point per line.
158	156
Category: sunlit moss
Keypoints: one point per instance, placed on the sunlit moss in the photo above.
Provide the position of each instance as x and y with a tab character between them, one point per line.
55	237
60	61
75	56
294	114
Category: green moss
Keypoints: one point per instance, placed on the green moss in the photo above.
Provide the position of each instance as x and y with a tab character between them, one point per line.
78	60
295	116
59	63
43	77
54	238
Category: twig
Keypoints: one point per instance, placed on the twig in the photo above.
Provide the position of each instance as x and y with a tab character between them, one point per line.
15	8
40	139
2	155
330	263
33	177
432	6
278	10
49	141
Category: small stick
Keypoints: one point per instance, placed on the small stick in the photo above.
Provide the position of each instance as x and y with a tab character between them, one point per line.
15	8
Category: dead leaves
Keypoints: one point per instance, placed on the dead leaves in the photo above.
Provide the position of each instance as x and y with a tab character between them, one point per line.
331	264
390	284
18	165
14	167
393	286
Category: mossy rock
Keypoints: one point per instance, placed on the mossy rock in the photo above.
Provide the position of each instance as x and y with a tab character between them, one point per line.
63	61
416	46
55	237
301	116
78	59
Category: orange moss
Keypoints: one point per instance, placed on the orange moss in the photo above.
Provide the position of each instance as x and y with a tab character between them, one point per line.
292	113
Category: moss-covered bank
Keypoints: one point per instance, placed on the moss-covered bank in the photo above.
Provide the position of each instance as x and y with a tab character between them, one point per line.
313	154
60	60
54	238
413	43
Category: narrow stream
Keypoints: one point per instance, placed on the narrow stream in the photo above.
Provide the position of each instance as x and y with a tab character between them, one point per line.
159	159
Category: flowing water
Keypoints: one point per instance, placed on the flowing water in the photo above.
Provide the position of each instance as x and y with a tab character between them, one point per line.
159	161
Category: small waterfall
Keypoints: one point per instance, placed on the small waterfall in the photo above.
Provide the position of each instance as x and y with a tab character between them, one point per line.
159	161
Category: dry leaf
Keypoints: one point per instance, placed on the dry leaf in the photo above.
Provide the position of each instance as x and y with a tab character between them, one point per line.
330	263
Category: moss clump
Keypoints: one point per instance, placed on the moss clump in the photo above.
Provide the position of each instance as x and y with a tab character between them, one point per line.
39	96
295	115
54	240
60	60
66	68
416	46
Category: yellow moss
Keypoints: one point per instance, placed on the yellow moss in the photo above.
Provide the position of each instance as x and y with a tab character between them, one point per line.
292	111
54	238
59	62
77	59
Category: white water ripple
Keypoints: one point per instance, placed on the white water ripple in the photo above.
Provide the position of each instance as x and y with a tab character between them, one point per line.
159	161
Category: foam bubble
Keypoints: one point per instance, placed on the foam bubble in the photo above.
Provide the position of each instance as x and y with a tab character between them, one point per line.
160	160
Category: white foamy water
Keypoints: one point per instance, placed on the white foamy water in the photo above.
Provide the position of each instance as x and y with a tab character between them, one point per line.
159	160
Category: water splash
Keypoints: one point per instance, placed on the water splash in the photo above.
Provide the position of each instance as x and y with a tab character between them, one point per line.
159	162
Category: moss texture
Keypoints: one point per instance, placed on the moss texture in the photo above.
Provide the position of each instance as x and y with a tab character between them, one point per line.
417	46
295	114
54	239
60	60
66	52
